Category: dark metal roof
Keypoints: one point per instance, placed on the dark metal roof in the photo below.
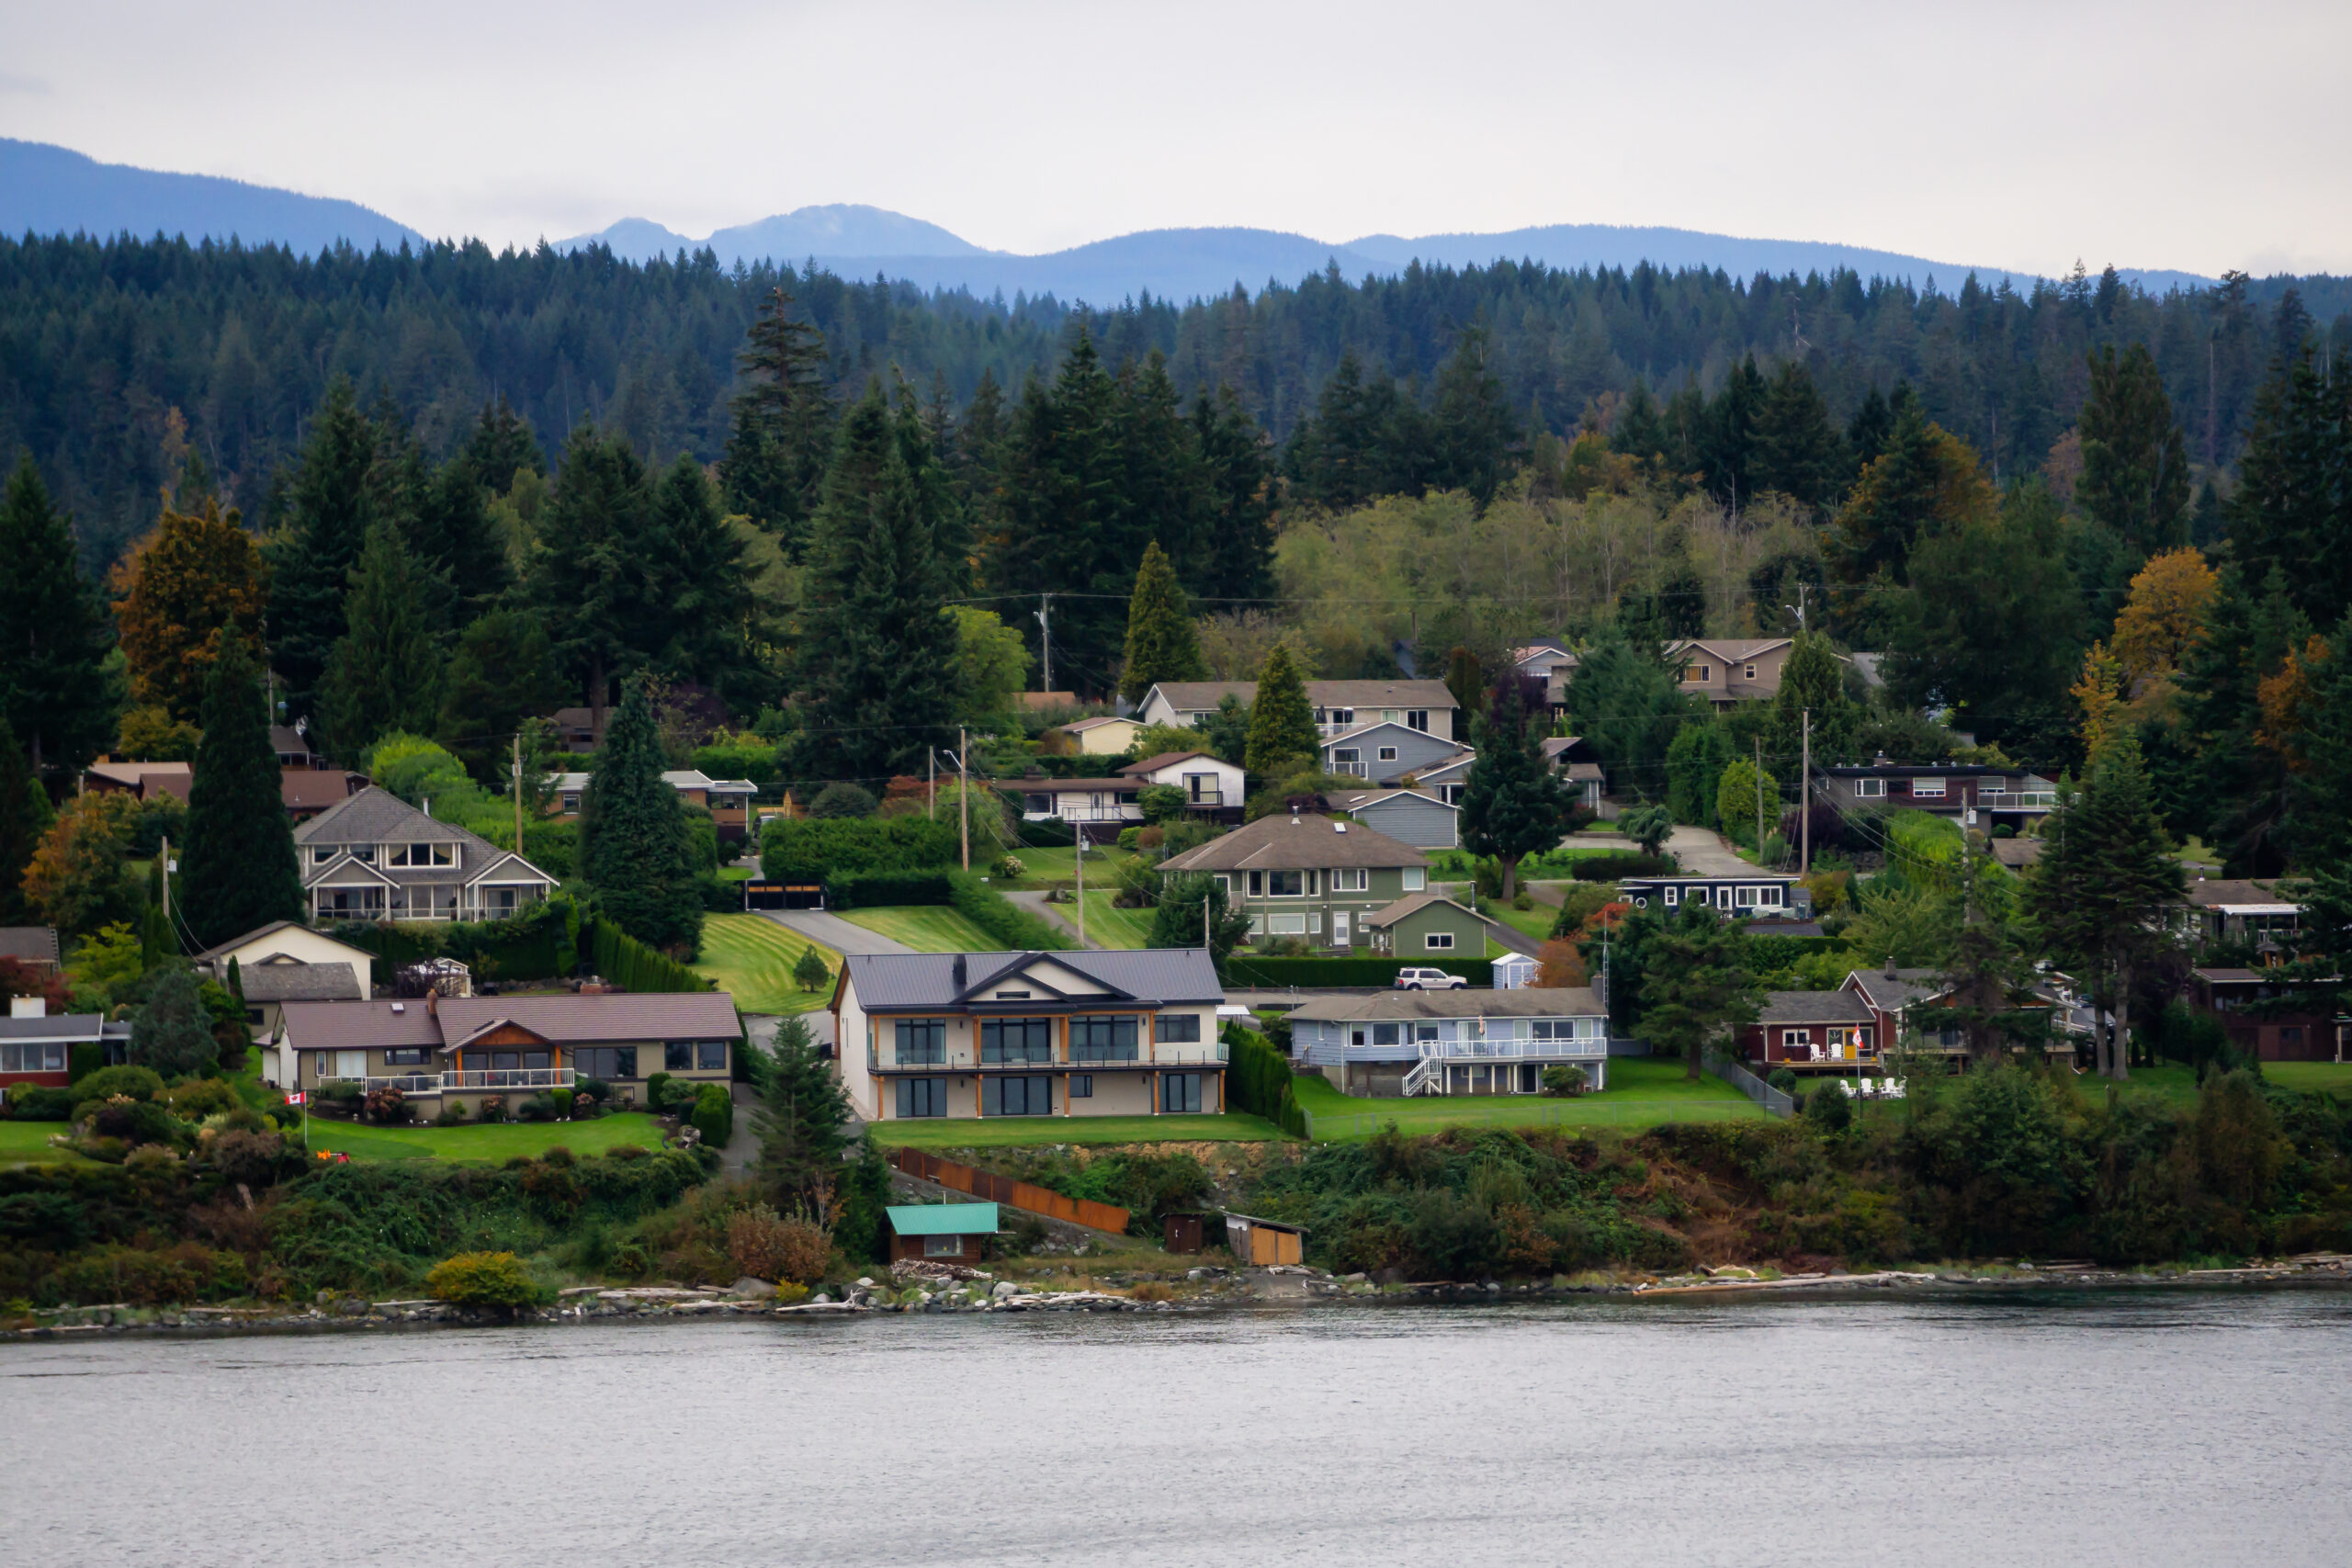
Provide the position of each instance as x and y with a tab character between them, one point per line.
83	1026
899	981
1813	1007
29	945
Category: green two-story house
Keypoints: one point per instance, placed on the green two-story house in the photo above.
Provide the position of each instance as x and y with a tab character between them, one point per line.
1309	876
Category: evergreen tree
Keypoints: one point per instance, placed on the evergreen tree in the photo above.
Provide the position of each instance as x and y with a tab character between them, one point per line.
502	446
1238	559
455	539
384	673
53	635
333	496
25	817
1639	430
783	424
955	542
803	1117
1697	990
2135	466
1282	737
1165	486
2242	783
173	1032
1694	771
1474	440
1925	483
589	578
2100	892
501	673
1514	805
702	621
1728	439
2319	792
877	656
1162	642
636	849
1627	703
1873	421
1812	680
239	870
1798	451
2293	507
1176	918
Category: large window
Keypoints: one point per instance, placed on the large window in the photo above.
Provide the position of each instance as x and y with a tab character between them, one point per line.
922	1042
609	1062
922	1097
1016	1039
1416	718
1286	884
1175	1028
1287	925
424	854
1350	879
1017	1096
1102	1038
1926	789
1180	1093
1870	788
39	1058
677	1056
1384	1033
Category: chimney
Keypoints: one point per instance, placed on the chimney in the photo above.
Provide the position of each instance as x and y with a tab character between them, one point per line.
28	1007
1890	966
432	994
959	972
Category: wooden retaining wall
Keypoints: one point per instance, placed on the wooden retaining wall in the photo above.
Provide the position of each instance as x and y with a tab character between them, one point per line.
994	1188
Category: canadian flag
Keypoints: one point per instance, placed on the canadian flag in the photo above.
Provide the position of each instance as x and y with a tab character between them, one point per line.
297	1098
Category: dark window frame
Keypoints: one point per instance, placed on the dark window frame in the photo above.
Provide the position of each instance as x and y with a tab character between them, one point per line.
1036	1042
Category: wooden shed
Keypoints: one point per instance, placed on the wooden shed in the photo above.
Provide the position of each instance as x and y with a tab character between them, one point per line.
943	1233
1261	1242
1184	1233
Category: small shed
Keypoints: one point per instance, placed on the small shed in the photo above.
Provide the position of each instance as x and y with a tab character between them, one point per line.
1185	1232
1513	971
943	1233
1262	1242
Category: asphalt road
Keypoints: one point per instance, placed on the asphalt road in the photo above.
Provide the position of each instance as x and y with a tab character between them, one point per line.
842	936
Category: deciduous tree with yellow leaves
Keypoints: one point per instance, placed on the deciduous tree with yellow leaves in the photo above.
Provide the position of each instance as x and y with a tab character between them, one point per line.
197	580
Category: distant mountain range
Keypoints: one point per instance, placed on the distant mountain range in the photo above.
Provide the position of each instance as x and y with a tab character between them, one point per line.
49	190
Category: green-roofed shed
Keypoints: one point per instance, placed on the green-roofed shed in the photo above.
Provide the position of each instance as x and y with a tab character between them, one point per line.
943	1233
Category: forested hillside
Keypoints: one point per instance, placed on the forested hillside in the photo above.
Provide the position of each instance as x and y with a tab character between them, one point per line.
100	344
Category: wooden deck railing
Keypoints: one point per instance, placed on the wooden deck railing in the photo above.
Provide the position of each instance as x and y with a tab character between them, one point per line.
991	1188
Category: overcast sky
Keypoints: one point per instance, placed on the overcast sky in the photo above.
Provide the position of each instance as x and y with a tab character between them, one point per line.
2151	134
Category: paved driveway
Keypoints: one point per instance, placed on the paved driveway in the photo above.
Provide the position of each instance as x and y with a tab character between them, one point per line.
842	936
1702	854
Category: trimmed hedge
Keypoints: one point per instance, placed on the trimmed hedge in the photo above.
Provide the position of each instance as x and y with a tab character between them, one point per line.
878	889
1616	868
1258	1080
1012	926
630	963
1277	973
808	850
540	944
1767	954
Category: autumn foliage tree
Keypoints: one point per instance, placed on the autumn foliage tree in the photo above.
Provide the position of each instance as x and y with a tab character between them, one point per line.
2170	599
194	583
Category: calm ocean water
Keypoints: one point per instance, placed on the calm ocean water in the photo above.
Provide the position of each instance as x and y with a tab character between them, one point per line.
2193	1429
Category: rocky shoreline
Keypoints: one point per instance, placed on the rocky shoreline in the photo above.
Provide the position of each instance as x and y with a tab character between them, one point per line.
1205	1288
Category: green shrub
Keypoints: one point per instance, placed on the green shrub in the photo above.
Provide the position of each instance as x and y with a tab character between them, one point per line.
626	1152
28	1103
1012	927
881	889
343	1091
630	964
558	1155
484	1280
811	851
657	1089
714	1114
810	973
564	1099
494	1107
200	1098
1616	868
138	1083
1830	1107
1562	1082
453	1114
538	1108
1784	1080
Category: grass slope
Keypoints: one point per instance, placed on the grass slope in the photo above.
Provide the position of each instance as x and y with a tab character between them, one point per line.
1643	1092
924	927
482	1145
1108	926
26	1143
1009	1132
752	956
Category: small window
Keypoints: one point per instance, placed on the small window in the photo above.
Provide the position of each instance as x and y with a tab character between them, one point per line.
677	1056
1439	942
321	853
1257	884
1773	897
1177	1028
1751	672
1388	753
1350	879
1040	804
1673	896
1081	1086
1746	899
1347	754
710	1055
1796	1037
1870	788
943	1246
571	801
1288	925
1414	879
1285	884
1343	715
1416	718
405	1056
1926	789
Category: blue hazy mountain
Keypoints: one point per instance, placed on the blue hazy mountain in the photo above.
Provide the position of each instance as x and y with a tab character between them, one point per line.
52	190
841	230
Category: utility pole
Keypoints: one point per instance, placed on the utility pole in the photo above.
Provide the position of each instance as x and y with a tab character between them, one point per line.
1082	883
931	782
518	792
1759	800
964	791
1805	801
1207	947
1044	613
167	881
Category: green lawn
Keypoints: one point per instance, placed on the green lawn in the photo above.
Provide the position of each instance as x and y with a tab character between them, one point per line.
2330	1078
1535	922
480	1144
1040	867
1643	1092
1112	926
752	957
26	1143
924	927
956	1133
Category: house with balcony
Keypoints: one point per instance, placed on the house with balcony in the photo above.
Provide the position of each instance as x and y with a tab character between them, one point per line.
1467	1041
373	856
1096	808
1727	672
1339	705
990	1034
1959	790
2243	913
1309	876
1812	1032
441	1051
1210	785
1756	895
1386	752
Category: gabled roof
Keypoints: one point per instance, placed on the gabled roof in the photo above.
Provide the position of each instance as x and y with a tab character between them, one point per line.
29	945
1023	966
942	1219
1187	695
1731	650
1458	762
1304	842
272	929
1203	695
2238	895
1813	1007
375	816
1893	993
1075	725
501	867
286	741
299	983
1167	759
1361	730
1412	902
900	981
1358	800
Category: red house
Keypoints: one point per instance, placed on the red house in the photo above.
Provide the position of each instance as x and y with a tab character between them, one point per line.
2253	1006
36	1049
1812	1032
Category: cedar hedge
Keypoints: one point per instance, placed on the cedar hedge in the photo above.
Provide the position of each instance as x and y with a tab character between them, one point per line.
1616	868
881	889
1258	1080
810	850
1275	974
1013	928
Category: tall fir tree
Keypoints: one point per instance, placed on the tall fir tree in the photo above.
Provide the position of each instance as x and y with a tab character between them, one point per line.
239	870
636	849
2292	509
1238	562
1514	804
2135	462
1698	988
502	446
1728	446
877	645
1164	488
384	673
705	623
332	498
1798	451
53	634
25	819
1475	437
1813	680
2241	795
1162	644
454	539
1282	737
777	450
2319	790
589	576
501	673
